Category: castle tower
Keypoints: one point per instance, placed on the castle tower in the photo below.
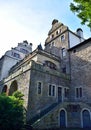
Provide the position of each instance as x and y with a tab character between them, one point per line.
57	39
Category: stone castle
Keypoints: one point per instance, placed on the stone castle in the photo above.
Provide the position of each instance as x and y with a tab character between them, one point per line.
55	81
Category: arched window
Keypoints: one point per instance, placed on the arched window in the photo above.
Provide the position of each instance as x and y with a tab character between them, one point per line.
4	90
13	87
50	64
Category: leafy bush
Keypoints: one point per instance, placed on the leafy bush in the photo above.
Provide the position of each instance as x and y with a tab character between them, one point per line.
11	111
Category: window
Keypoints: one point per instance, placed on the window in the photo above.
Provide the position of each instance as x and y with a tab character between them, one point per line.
64	69
51	90
52	44
16	55
74	51
78	92
50	65
52	35
63	52
66	92
56	32
62	38
39	87
23	50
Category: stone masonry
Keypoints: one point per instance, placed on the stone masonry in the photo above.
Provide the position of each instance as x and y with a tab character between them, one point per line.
55	81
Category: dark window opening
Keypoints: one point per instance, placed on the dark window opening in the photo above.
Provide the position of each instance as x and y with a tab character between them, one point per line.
64	69
52	35
39	87
49	90
74	51
56	32
53	91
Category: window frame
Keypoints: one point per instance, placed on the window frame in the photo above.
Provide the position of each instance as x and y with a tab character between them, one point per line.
51	90
66	93
78	92
40	87
63	52
63	38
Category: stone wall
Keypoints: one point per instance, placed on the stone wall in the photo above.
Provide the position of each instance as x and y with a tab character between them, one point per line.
52	119
22	78
47	76
80	72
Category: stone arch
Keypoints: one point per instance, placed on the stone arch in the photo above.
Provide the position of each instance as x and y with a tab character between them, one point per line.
63	118
5	89
85	118
13	87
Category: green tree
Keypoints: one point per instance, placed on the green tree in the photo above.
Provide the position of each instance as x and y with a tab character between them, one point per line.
11	112
83	10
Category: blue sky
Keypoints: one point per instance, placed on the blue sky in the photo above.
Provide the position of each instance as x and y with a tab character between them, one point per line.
31	20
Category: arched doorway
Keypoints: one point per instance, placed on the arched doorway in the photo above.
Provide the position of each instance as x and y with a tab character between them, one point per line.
62	118
86	119
5	89
13	87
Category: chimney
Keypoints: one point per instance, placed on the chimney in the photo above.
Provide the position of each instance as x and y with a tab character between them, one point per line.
80	32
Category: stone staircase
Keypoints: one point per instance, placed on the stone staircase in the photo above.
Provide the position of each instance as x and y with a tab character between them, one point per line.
42	113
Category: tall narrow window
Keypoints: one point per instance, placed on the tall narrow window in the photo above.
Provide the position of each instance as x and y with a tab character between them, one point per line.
66	92
52	35
51	90
64	69
63	52
56	32
62	38
78	92
39	85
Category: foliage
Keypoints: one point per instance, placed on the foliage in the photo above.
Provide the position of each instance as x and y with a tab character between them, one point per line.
83	10
18	95
11	112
